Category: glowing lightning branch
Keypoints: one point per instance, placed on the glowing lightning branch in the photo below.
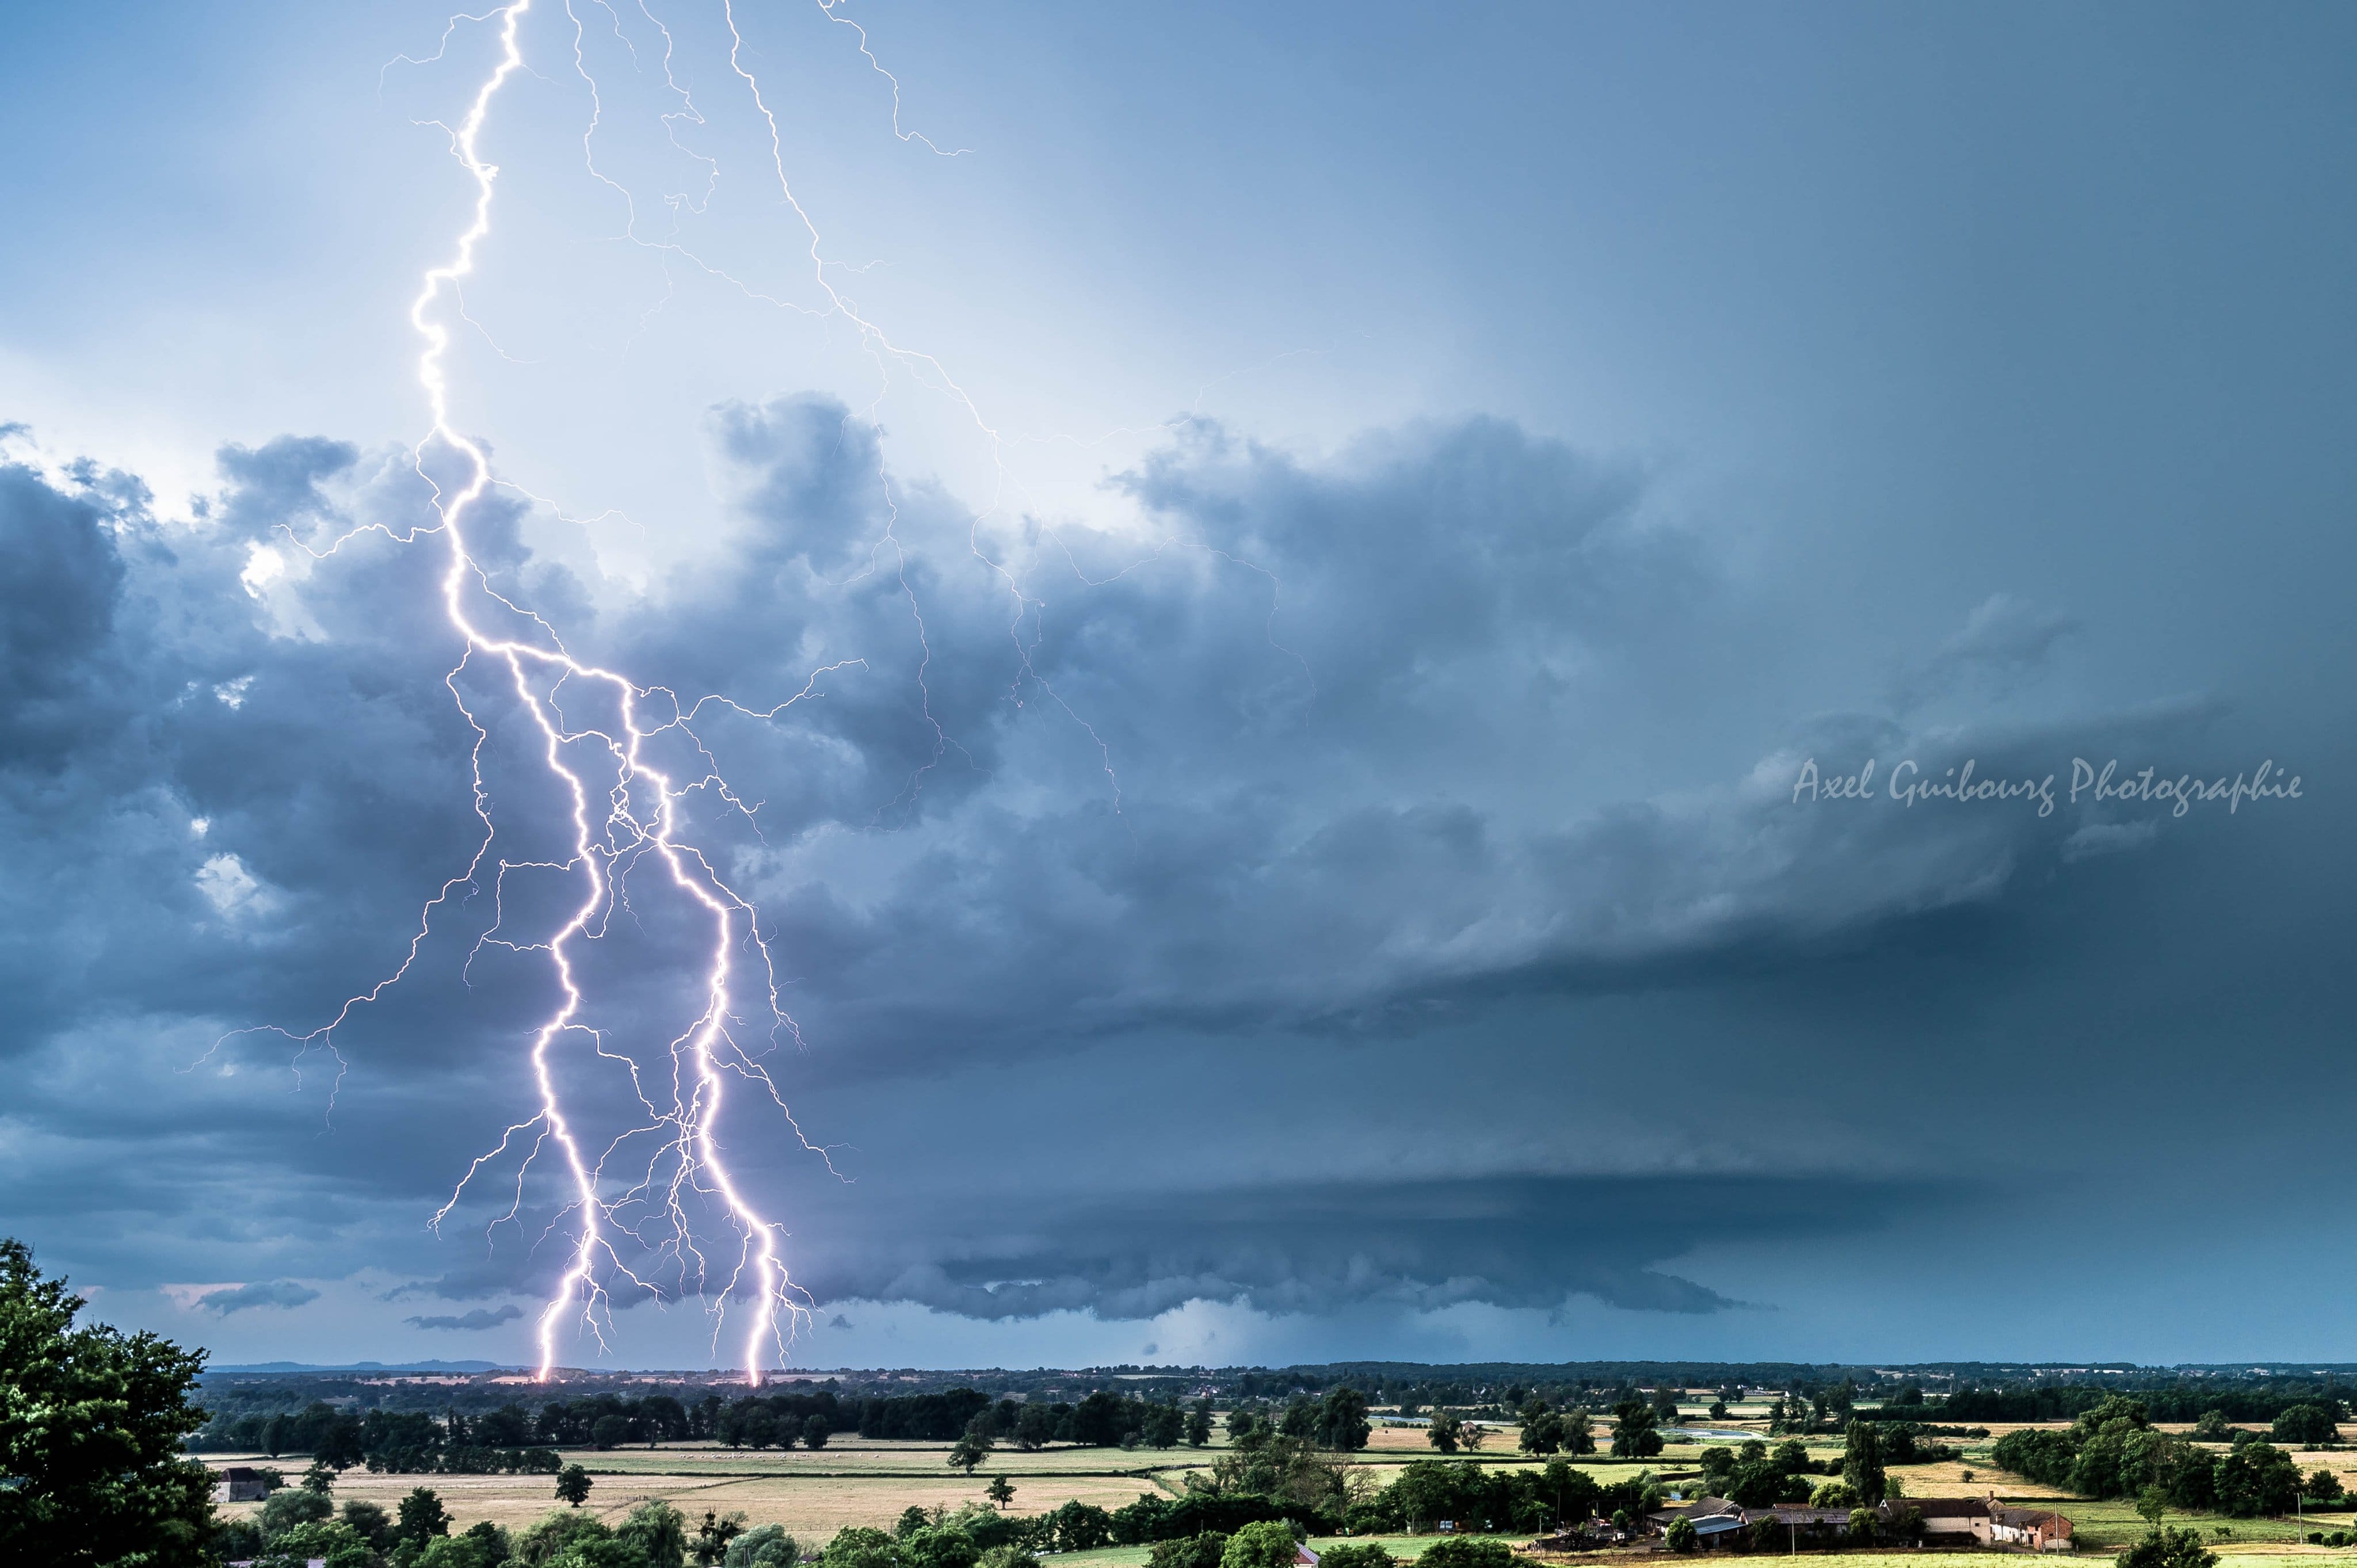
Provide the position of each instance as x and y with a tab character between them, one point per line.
627	814
696	1113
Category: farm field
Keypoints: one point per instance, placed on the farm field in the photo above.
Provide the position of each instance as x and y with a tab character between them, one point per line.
862	1481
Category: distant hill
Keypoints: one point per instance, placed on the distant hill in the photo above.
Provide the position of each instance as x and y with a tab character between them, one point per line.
269	1366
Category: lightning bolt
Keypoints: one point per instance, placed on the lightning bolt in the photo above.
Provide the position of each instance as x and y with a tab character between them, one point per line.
623	796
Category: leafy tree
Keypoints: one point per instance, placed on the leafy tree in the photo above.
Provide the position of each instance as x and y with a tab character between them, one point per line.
1473	1433
1164	1425
816	1430
1198	1423
1665	1406
284	1511
2153	1504
1833	1495
658	1533
1579	1432
369	1521
1633	1433
974	1448
2213	1427
1447	1430
859	1546
422	1516
318	1476
939	1546
1542	1433
1268	1544
2306	1427
1342	1420
609	1430
1001	1491
1035	1428
2254	1478
1861	1527
2168	1549
2323	1486
573	1485
1718	1409
763	1546
91	1424
1681	1537
1862	1463
1081	1527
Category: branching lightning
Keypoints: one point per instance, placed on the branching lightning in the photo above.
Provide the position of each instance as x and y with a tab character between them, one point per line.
623	791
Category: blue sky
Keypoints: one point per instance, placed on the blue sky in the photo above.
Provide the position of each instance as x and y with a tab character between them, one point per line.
1416	489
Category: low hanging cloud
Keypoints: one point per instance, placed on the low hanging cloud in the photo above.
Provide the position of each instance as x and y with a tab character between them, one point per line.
261	1293
481	1318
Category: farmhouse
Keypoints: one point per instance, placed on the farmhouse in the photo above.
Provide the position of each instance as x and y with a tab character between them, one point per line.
1716	1521
240	1484
2037	1528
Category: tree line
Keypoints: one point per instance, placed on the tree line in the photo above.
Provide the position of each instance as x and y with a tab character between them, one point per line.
2184	1402
2113	1450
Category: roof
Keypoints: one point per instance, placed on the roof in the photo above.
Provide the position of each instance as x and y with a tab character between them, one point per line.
241	1473
1942	1507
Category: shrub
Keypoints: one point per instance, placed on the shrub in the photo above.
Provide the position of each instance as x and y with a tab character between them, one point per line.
1680	1536
859	1546
287	1509
1008	1556
1204	1550
1268	1544
763	1546
2168	1548
1371	1555
1467	1551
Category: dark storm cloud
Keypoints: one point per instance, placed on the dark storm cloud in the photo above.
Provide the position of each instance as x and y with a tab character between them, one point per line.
1319	1247
481	1318
1251	774
262	1293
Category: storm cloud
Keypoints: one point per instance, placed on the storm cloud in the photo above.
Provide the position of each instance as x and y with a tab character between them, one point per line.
1257	771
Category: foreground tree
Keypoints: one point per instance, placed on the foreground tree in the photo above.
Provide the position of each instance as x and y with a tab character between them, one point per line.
573	1485
91	1424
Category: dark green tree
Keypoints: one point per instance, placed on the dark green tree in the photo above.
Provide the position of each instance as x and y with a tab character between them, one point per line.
91	1424
1681	1537
975	1446
573	1485
1198	1423
1342	1420
2306	1427
816	1430
1447	1430
422	1516
1862	1463
1001	1491
1634	1436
